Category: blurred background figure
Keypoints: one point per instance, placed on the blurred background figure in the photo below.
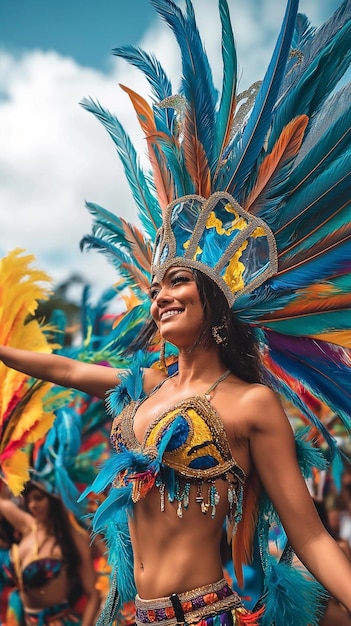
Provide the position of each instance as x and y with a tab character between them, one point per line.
52	563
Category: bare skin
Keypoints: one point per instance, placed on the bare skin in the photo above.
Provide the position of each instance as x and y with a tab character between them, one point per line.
172	554
35	527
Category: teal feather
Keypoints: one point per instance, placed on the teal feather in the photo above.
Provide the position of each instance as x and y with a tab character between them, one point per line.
316	83
290	597
246	151
157	78
227	102
313	270
314	41
303	31
182	181
149	210
313	323
309	455
130	242
197	83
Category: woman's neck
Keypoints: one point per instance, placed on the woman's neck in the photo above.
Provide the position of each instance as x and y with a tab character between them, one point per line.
199	364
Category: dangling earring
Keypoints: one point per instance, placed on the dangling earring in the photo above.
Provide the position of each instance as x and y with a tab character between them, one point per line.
219	336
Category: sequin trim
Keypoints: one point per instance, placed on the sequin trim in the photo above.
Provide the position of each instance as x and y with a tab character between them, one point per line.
196	604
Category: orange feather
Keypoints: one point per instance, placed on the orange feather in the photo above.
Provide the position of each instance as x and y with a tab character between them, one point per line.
195	158
161	173
242	542
285	148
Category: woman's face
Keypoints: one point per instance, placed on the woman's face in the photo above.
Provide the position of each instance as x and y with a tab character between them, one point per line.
176	307
38	505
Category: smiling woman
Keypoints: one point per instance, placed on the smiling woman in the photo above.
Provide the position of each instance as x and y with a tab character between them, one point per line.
247	216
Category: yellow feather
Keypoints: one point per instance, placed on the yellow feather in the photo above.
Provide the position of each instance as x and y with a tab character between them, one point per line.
25	408
15	471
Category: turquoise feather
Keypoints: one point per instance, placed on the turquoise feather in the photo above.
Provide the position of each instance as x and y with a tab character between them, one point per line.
157	78
246	151
197	83
316	83
142	191
224	119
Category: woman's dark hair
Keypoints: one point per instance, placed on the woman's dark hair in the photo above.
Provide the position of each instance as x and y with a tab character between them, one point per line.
62	529
239	347
7	532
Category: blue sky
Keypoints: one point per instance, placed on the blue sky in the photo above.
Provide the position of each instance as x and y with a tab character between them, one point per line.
54	155
85	29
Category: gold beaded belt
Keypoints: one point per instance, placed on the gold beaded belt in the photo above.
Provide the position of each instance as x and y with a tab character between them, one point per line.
189	607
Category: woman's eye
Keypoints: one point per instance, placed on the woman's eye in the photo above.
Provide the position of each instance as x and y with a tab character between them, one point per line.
153	293
180	279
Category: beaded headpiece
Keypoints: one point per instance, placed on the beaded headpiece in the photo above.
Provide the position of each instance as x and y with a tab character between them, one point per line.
235	249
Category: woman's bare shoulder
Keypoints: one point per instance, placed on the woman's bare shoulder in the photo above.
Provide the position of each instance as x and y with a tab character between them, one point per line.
257	401
152	378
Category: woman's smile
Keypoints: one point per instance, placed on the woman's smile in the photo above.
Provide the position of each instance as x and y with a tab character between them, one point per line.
176	297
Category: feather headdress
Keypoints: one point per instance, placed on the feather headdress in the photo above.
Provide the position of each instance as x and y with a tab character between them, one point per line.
287	163
285	159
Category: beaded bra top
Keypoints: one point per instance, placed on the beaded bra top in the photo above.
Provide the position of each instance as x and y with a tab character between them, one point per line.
185	445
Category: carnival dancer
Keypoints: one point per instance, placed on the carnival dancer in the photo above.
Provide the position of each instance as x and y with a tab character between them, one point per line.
247	280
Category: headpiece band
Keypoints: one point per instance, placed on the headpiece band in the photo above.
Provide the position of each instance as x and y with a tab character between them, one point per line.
218	237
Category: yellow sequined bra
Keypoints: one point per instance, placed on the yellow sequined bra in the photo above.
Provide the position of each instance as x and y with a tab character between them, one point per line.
185	445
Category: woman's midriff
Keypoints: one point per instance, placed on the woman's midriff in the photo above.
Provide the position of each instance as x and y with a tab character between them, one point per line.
172	554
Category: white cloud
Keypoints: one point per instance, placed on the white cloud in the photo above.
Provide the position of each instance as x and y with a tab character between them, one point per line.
54	155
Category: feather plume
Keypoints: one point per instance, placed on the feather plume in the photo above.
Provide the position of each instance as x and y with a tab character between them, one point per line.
161	174
227	105
285	149
24	414
197	86
249	147
157	78
143	193
316	83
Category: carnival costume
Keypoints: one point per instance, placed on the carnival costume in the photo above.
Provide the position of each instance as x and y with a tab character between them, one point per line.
251	189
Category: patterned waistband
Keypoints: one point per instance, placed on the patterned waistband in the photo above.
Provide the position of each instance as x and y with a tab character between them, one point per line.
190	606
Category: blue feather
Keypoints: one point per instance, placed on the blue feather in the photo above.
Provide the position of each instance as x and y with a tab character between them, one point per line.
314	270
224	118
246	151
156	76
292	396
309	455
291	598
313	41
197	84
315	84
149	210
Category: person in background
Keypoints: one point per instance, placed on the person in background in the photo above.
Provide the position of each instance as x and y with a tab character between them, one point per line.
7	584
52	562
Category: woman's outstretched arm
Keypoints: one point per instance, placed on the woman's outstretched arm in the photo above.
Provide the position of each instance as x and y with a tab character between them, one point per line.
89	378
273	451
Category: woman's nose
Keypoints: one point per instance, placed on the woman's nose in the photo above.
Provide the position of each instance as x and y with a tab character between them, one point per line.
162	296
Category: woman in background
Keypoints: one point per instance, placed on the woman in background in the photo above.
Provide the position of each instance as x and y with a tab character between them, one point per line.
52	562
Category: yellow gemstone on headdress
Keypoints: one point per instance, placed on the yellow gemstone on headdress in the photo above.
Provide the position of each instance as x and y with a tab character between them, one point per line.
234	273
